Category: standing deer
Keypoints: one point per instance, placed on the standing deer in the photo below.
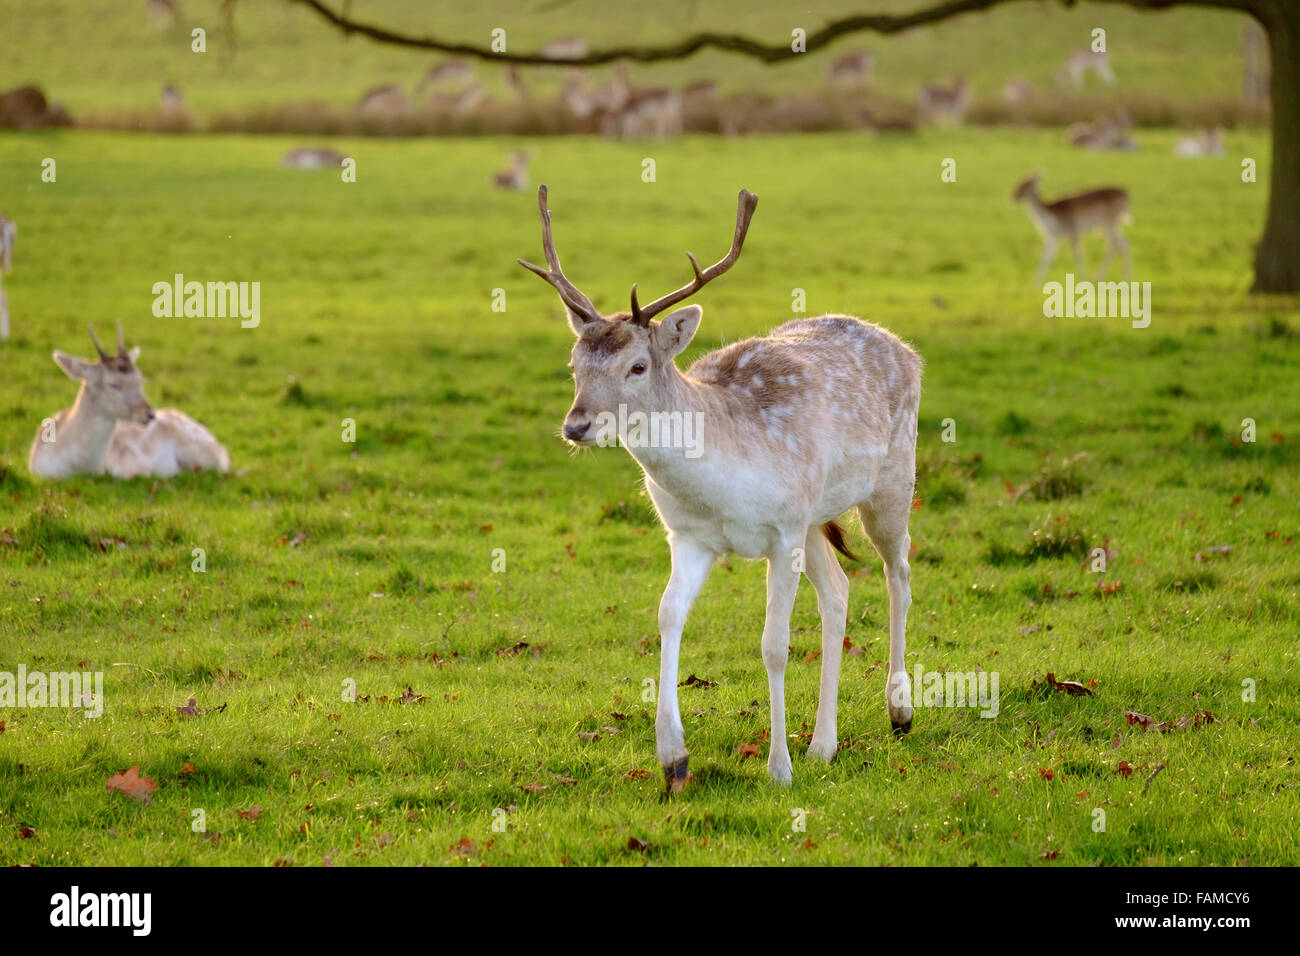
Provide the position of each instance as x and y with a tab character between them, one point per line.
1072	218
939	104
514	176
802	425
112	427
1082	61
8	233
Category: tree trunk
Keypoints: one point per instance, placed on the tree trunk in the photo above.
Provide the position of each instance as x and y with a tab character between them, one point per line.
1277	258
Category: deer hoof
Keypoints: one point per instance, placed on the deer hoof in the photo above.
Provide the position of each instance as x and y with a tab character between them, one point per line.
901	730
675	776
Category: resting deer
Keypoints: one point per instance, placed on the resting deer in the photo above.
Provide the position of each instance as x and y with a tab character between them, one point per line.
1080	62
112	428
797	428
8	233
1072	218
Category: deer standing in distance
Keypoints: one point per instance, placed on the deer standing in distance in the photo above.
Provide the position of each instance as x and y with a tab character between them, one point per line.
1205	142
1073	217
8	233
852	69
944	103
1082	61
514	176
112	427
802	425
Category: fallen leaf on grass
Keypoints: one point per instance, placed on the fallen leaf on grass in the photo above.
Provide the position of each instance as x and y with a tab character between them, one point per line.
637	846
465	847
534	787
1124	769
186	770
565	780
26	833
636	774
745	751
132	784
411	697
694	681
1049	855
252	813
1216	550
1067	686
587	736
808	844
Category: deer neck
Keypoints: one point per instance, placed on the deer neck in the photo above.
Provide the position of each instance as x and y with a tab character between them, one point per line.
674	434
87	430
1039	213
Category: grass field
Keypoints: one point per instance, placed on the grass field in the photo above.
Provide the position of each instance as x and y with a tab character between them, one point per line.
372	562
78	49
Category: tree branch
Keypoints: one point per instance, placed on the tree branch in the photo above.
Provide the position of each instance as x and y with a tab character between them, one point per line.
730	42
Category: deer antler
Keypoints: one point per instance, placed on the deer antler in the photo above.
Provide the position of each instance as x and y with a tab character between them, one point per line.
121	339
572	297
746	203
103	357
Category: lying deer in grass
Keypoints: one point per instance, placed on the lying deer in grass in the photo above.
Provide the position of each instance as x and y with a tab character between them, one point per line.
8	233
112	428
799	427
1072	218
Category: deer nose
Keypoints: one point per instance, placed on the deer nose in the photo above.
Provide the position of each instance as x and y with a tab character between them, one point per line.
575	432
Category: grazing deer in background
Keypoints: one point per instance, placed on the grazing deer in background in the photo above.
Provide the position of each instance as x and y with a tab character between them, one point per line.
112	428
306	157
515	176
944	103
456	73
383	100
797	428
1106	134
1072	218
1078	65
8	233
852	69
1203	143
1017	90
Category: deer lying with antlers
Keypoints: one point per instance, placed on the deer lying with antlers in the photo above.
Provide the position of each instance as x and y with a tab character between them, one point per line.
112	428
816	418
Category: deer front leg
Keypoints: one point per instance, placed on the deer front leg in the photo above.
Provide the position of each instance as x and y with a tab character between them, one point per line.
691	564
782	582
1049	253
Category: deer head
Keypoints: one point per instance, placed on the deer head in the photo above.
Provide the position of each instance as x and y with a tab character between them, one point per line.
113	384
627	358
1027	187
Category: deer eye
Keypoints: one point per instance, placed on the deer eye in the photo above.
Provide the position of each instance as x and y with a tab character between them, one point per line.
637	369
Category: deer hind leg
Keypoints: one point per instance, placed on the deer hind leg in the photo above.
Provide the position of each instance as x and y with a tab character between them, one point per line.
1115	243
4	316
832	586
782	583
885	516
691	564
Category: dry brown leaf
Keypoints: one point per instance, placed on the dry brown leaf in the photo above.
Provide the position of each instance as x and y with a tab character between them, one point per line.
132	784
252	813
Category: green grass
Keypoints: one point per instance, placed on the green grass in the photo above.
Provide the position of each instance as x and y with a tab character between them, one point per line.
372	561
104	55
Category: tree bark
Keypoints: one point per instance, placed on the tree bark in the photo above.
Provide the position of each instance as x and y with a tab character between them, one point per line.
1277	257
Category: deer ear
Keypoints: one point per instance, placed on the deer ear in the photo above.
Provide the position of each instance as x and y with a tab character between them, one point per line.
74	368
675	331
134	354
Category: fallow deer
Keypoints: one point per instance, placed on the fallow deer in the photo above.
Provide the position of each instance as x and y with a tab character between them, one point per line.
800	426
306	157
1083	61
1206	142
8	233
112	427
1072	218
514	176
939	104
852	69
